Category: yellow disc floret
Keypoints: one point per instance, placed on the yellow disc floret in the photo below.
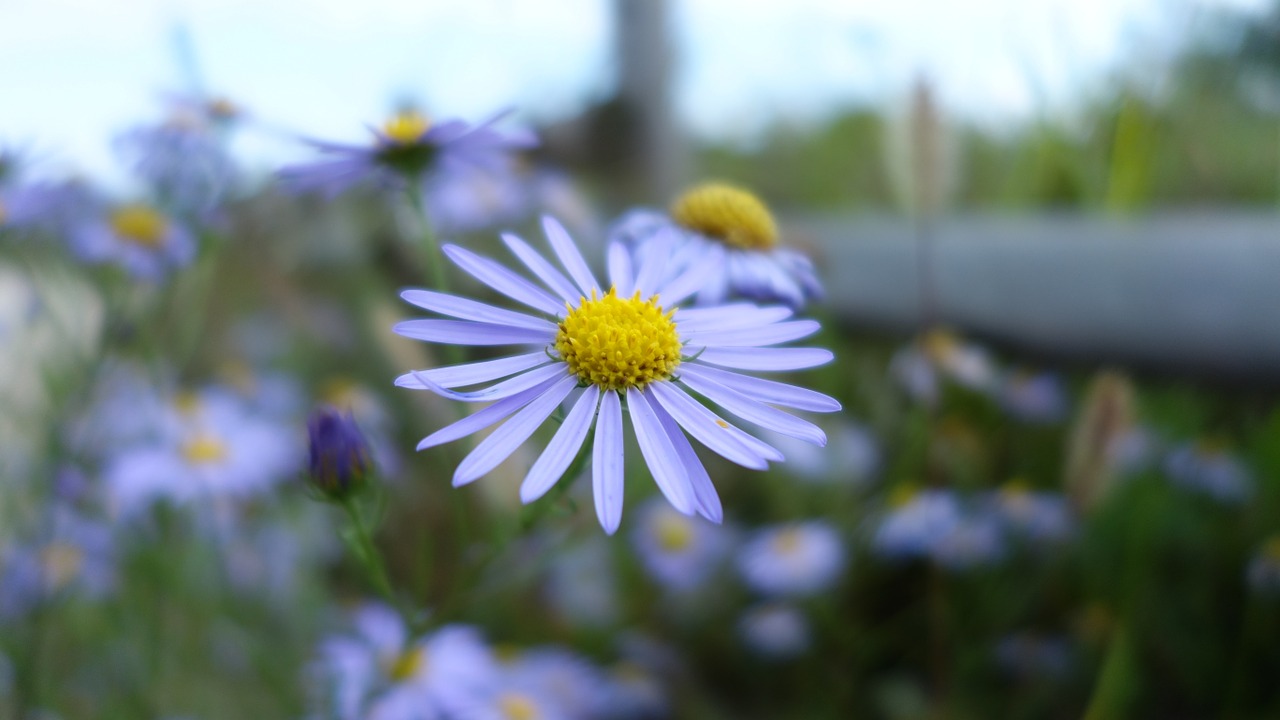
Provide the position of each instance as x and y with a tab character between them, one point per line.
407	664
619	343
675	533
517	707
406	127
728	214
140	225
203	450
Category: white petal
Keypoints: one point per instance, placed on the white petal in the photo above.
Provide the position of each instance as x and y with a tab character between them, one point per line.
655	260
454	376
467	309
766	359
484	418
704	492
503	280
659	454
562	449
619	261
545	271
462	332
569	256
706	426
607	469
753	336
503	389
502	442
757	412
691	280
769	391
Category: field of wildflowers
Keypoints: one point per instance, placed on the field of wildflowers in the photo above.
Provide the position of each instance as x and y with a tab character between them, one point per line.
413	429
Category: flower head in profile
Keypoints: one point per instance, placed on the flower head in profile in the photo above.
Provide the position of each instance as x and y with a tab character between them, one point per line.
731	236
147	243
793	560
408	147
629	351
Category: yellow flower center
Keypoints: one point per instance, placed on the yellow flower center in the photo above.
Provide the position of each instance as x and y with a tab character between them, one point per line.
187	402
517	707
222	108
407	664
902	495
140	225
787	541
940	345
618	343
203	450
340	392
61	564
405	127
674	532
728	214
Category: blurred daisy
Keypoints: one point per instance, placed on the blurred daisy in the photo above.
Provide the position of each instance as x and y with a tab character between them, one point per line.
916	523
1037	516
793	560
53	207
137	237
1206	467
635	692
678	551
775	630
211	447
75	556
1263	573
474	198
940	354
731	237
1033	398
378	672
632	345
551	680
183	161
408	148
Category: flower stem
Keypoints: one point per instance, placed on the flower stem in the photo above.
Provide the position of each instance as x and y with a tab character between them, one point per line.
361	544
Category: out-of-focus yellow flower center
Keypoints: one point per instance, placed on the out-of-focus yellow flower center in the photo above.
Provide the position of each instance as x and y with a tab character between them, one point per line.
674	532
61	564
406	127
1271	549
618	343
222	108
340	392
203	450
407	664
506	653
902	495
517	707
939	345
140	225
787	541
187	402
728	214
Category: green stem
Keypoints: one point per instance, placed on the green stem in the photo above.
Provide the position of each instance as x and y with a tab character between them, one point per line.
361	543
1114	690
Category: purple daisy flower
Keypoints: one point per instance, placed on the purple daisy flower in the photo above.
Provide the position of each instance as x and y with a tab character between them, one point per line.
731	237
139	238
407	147
610	350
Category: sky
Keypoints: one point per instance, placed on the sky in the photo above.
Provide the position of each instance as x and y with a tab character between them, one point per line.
73	73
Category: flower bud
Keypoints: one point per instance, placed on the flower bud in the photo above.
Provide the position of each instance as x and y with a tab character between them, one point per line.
339	460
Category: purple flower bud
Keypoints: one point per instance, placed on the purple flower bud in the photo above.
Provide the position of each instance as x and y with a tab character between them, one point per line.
339	460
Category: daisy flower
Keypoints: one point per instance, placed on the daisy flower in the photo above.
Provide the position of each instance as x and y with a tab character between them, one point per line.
138	237
775	630
795	560
730	236
407	147
678	551
628	351
76	556
379	673
1033	397
1207	467
1041	517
